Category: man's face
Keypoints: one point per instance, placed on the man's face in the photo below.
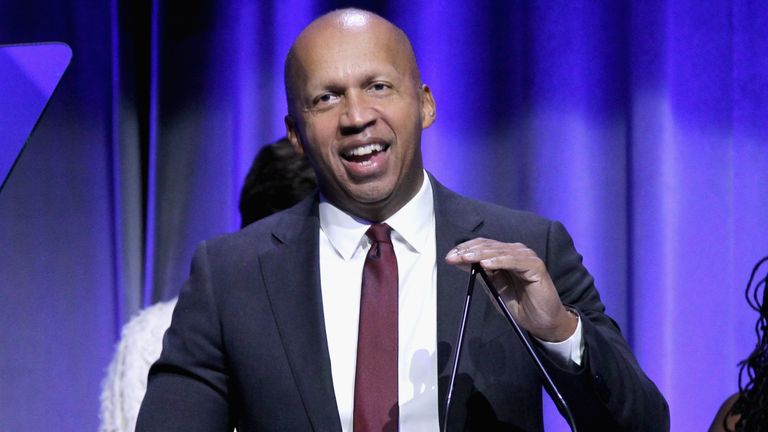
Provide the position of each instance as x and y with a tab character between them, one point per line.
358	112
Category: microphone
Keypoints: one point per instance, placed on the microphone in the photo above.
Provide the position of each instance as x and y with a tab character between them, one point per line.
558	399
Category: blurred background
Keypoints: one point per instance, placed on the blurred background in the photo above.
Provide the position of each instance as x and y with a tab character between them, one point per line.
641	126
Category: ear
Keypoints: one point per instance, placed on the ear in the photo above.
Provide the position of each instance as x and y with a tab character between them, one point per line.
428	112
293	134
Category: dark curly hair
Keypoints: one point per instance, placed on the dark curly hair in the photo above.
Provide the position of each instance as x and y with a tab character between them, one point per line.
751	406
279	178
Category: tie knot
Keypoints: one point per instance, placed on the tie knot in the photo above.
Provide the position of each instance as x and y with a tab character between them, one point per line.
379	233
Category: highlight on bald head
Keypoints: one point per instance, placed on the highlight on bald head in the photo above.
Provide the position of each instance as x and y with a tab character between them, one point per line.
334	26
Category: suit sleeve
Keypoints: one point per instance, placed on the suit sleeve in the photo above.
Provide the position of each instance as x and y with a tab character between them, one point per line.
609	391
187	388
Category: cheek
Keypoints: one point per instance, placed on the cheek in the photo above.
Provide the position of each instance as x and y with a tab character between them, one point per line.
408	129
324	161
321	130
315	140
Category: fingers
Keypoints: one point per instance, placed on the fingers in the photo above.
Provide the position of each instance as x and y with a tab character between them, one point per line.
522	280
494	255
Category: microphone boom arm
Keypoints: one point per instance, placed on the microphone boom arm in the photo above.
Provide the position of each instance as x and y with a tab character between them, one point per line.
558	399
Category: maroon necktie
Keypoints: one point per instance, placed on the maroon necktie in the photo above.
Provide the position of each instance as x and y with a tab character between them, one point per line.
376	373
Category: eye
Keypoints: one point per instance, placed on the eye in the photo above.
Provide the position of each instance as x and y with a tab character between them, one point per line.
379	87
325	98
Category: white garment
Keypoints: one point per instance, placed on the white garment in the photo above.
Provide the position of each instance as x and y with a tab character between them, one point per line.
126	382
343	248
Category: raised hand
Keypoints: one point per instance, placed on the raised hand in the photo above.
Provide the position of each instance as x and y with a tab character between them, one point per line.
523	282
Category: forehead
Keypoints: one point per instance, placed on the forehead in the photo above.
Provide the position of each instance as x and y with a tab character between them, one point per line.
339	55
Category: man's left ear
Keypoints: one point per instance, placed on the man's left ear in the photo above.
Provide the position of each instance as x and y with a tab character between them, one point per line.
428	112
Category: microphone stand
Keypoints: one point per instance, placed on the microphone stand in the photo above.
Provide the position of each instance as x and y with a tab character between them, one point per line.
459	345
558	399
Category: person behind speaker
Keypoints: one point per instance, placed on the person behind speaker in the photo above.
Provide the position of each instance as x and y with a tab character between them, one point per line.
747	410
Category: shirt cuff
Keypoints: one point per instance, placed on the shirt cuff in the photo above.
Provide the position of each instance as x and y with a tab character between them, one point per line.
569	350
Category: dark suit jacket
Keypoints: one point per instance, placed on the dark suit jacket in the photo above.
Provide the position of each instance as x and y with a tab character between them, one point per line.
247	344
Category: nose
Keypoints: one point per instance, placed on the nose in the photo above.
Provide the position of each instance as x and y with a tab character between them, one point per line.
358	114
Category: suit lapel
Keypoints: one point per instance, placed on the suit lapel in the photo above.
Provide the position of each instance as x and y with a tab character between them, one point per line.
296	300
292	278
454	224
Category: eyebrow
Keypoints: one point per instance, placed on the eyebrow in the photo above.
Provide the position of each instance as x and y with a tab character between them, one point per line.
336	85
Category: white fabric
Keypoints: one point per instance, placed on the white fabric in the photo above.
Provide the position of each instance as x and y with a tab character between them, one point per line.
343	247
571	348
126	381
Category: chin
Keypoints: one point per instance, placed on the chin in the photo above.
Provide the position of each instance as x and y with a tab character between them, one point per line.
377	193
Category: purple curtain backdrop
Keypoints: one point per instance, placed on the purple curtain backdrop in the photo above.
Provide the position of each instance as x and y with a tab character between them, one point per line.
642	126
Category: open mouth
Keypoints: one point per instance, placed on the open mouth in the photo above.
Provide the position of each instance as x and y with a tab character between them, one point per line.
364	154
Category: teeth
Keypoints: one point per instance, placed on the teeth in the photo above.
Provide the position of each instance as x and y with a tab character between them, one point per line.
365	150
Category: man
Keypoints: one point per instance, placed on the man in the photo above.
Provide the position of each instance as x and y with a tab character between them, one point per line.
272	331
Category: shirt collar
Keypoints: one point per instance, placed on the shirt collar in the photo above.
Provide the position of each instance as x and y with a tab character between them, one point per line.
411	223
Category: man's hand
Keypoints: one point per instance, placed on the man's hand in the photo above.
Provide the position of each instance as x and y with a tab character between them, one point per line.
523	282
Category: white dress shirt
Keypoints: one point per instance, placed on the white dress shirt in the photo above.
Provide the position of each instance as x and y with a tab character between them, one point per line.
343	248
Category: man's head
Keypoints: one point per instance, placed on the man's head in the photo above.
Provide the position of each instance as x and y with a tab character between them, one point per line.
356	107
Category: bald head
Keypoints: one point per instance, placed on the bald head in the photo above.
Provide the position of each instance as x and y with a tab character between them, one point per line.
357	107
330	30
